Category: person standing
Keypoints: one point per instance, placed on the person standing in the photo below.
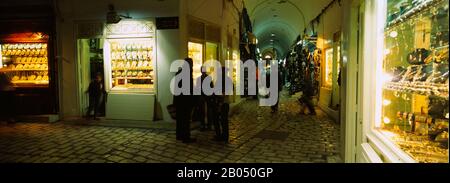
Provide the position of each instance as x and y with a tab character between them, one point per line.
308	94
96	95
223	105
206	105
274	108
184	107
6	98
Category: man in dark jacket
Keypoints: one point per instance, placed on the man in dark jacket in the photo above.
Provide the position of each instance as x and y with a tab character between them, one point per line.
184	107
96	95
206	105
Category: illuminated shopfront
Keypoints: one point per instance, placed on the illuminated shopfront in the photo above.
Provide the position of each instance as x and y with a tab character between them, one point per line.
408	60
130	62
28	59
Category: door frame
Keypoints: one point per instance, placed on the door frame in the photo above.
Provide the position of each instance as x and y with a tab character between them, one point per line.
91	29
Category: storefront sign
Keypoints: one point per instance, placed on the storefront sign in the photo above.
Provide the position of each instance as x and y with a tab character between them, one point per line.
167	23
131	28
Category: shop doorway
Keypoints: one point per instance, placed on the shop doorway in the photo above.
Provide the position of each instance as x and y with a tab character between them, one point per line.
90	64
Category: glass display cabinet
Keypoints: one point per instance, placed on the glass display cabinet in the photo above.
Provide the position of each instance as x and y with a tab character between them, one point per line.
25	60
414	112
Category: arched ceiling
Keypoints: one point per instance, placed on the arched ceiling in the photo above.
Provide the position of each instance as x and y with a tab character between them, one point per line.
281	20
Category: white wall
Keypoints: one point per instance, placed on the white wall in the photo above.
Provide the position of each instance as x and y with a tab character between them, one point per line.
167	45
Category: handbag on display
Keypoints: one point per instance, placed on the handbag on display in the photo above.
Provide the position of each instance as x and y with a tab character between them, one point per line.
418	56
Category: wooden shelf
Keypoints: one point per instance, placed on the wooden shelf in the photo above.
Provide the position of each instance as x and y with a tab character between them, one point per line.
133	69
21	70
432	90
143	78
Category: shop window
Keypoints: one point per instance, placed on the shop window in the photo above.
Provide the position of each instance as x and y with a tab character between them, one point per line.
328	67
195	51
130	56
24	58
414	78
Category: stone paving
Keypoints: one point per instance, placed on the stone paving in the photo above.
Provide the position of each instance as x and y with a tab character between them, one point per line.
310	139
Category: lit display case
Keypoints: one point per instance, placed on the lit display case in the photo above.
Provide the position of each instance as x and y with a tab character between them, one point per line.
130	57
328	67
132	64
195	51
25	60
415	82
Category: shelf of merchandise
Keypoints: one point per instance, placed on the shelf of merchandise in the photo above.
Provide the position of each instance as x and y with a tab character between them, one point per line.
143	78
22	70
133	69
426	89
412	12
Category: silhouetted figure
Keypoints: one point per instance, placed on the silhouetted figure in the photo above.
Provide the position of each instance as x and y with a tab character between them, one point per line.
308	94
97	94
206	105
221	125
7	99
274	108
184	106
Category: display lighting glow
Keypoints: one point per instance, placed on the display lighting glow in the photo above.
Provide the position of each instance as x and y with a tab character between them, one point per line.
1	57
386	120
377	54
386	102
388	134
387	51
393	34
385	77
268	57
446	116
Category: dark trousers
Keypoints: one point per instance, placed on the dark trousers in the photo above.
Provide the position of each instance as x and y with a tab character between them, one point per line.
94	105
275	107
183	120
221	125
307	100
205	113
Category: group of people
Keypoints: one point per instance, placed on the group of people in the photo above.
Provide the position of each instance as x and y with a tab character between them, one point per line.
210	110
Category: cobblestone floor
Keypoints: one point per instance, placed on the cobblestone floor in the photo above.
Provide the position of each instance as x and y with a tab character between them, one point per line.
310	139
